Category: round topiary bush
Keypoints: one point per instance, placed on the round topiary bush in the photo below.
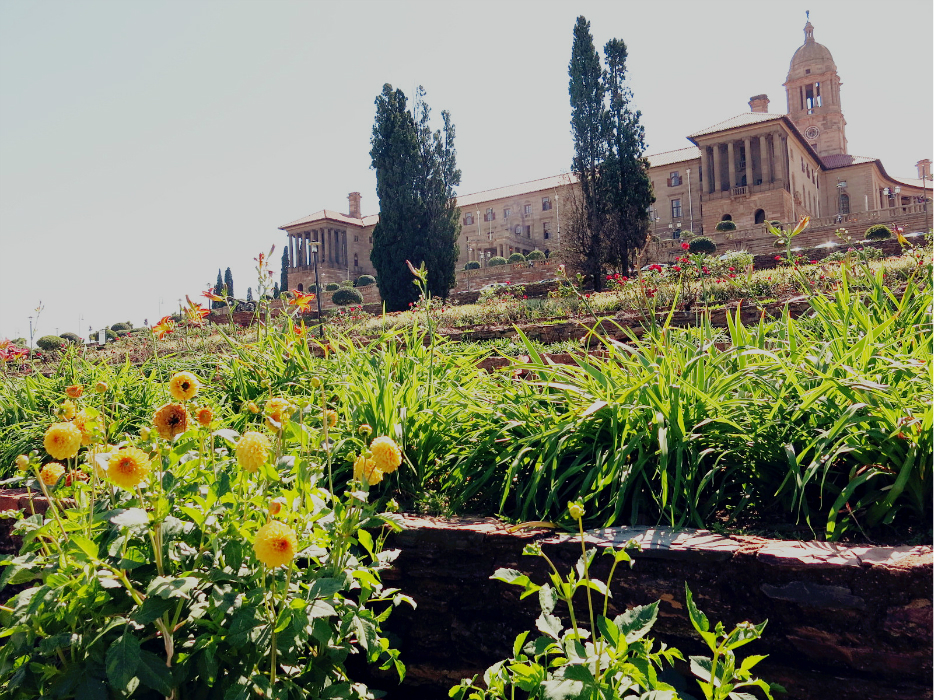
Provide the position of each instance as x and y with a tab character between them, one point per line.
347	296
121	327
347	283
110	335
331	287
726	226
72	338
702	244
879	232
472	265
535	255
365	280
50	343
496	260
516	258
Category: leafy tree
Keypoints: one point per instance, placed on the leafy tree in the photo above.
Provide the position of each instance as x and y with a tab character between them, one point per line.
218	289
284	273
276	292
611	222
228	282
416	173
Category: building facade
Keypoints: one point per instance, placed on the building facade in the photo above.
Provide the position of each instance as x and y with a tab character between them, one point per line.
750	169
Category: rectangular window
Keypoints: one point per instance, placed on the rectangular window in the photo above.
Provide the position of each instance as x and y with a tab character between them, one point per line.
675	208
490	215
546	203
356	238
528	231
468	220
527	210
674	179
518	230
547	229
506	212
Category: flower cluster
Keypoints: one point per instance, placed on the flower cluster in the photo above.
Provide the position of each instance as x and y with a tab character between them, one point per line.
383	457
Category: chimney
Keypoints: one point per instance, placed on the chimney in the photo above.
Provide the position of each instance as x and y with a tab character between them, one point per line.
354	212
759	103
924	169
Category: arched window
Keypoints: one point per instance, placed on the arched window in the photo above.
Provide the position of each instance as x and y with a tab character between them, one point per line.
356	260
844	203
301	287
760	216
726	217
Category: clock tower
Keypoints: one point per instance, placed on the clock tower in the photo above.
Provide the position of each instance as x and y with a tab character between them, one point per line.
813	91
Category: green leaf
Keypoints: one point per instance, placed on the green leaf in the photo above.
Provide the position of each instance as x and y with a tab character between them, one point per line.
636	622
85	545
168	587
563	690
153	673
516	578
609	630
366	540
550	625
698	619
131	517
152	609
122	660
547	598
751	661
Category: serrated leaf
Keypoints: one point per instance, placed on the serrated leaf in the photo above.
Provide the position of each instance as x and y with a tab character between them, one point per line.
547	598
550	625
698	619
609	630
153	673
122	660
152	609
85	545
168	587
636	622
562	690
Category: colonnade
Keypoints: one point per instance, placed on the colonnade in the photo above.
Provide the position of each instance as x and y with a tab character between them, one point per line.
772	162
332	247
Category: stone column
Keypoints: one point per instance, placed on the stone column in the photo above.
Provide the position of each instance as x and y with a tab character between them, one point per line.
750	176
731	155
717	186
764	160
705	171
777	159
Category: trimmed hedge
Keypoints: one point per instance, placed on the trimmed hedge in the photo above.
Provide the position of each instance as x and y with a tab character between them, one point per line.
72	338
472	265
122	327
331	287
535	255
702	244
365	280
516	258
347	296
50	343
879	232
726	226
496	260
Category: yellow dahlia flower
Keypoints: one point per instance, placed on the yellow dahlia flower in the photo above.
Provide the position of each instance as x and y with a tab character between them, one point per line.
205	415
100	387
275	544
330	417
366	470
127	467
85	424
62	440
386	454
252	407
22	462
51	473
252	450
275	506
183	386
74	391
68	409
171	420
278	411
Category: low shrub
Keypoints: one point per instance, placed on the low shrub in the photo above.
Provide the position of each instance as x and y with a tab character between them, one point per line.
726	226
535	255
347	283
331	287
72	338
50	343
496	260
347	296
365	280
122	326
516	258
472	265
702	244
879	232
109	334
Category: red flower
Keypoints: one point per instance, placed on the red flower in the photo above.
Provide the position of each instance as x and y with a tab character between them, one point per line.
655	268
732	269
778	257
813	262
685	246
706	271
625	279
676	268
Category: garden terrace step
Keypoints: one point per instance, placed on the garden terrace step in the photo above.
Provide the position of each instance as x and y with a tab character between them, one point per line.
849	620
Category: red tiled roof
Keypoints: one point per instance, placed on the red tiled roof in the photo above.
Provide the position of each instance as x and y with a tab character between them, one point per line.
744	119
842	160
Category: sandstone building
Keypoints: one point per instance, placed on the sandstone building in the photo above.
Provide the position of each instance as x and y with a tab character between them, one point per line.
751	168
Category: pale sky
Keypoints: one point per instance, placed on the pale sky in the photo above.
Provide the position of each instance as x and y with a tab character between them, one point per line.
144	145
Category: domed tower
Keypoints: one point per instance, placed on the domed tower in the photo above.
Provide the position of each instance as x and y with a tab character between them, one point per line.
813	91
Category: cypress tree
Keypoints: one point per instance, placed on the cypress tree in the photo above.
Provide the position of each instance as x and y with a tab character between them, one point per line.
284	273
416	174
218	289
249	293
276	292
228	282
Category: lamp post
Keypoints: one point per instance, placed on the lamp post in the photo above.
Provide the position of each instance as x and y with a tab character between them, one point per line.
30	332
314	255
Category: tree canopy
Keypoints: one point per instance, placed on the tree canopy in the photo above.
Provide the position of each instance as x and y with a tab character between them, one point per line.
611	223
416	172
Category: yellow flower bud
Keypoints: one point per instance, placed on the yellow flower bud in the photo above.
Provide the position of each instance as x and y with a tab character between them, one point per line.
576	509
144	433
22	462
365	430
252	407
100	387
315	383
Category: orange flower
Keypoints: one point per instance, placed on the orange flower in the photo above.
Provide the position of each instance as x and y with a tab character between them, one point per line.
277	412
365	470
74	391
300	331
195	313
205	415
171	419
183	386
211	296
165	325
301	301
